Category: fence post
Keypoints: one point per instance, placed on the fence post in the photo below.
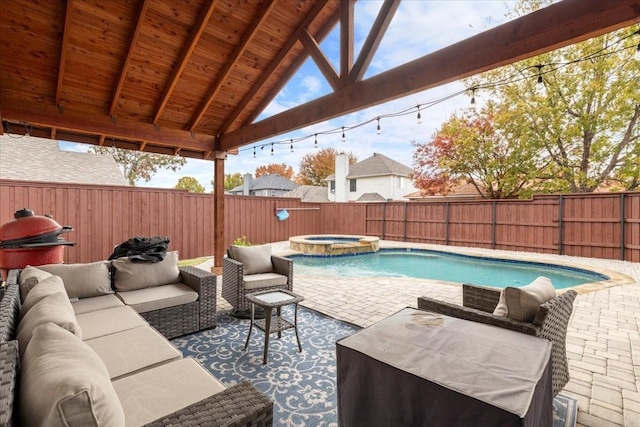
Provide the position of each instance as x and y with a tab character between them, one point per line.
560	214
622	225
404	231
493	225
384	219
446	225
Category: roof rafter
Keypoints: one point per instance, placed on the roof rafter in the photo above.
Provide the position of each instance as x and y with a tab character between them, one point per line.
63	50
347	9
320	59
541	31
379	28
234	58
194	37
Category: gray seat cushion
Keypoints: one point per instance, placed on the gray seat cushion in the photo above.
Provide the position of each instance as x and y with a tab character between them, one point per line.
109	321
264	280
158	297
87	305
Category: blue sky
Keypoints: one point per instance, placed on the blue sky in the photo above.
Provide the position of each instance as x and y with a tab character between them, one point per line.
418	28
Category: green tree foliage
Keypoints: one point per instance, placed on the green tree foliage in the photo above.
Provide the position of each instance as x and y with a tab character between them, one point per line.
281	169
139	164
231	180
190	184
475	147
315	168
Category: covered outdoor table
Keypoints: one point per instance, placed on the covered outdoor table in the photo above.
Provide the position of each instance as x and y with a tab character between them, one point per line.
418	368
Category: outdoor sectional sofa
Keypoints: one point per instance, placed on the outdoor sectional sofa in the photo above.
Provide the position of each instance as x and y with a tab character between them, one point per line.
73	353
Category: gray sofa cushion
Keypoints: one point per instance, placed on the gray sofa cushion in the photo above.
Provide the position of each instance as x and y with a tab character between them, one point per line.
29	277
255	259
64	383
523	303
48	286
264	280
158	297
87	305
109	321
130	276
83	280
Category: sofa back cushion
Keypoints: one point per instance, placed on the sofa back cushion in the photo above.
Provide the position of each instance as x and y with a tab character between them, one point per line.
254	259
48	286
130	275
63	382
29	277
83	280
523	303
54	308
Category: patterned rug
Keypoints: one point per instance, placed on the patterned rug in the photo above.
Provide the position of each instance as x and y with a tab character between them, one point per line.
301	385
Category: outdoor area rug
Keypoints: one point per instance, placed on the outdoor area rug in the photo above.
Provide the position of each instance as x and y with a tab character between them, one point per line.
301	385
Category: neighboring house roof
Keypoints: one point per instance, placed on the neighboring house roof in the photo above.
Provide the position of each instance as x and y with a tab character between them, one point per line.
465	189
371	197
268	182
376	165
309	193
38	159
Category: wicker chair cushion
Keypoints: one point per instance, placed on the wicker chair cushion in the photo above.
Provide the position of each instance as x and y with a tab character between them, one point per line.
264	280
523	303
82	280
158	297
109	321
130	276
87	305
64	383
54	308
255	259
48	286
29	277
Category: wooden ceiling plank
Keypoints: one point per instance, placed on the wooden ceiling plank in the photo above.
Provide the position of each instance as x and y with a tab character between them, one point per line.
273	66
63	50
320	59
102	125
233	60
550	28
204	16
379	28
347	9
125	67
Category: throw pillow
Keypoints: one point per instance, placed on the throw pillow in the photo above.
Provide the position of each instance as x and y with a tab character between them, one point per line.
130	276
29	277
523	303
55	308
255	259
48	286
63	382
83	280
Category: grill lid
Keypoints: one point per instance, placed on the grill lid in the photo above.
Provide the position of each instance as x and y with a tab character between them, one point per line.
28	228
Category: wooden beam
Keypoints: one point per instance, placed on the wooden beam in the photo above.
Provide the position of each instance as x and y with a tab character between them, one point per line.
194	37
374	38
320	59
346	39
125	67
558	25
99	125
233	59
63	50
218	212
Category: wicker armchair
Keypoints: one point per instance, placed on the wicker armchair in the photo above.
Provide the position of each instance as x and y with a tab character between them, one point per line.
550	322
236	284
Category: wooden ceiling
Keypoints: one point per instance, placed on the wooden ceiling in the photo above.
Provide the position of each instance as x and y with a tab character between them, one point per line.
190	77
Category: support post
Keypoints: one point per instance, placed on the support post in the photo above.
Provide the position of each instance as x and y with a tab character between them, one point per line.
404	231
446	224
493	225
218	212
560	215
622	224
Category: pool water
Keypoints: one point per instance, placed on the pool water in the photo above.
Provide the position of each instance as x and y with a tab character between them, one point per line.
424	264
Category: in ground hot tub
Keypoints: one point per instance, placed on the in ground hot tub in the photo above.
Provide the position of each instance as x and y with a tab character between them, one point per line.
334	244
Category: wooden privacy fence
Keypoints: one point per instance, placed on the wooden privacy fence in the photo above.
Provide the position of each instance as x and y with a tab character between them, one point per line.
601	225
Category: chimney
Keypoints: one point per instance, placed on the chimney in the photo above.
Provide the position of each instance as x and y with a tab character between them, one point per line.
247	183
342	170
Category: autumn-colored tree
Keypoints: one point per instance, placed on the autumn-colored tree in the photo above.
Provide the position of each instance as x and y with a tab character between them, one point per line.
231	180
315	168
274	168
190	184
475	148
139	164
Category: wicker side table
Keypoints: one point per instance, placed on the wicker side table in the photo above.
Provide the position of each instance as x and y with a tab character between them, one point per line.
270	300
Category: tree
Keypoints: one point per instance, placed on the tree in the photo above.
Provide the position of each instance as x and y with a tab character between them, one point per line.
231	181
139	164
275	168
315	168
480	148
586	121
190	184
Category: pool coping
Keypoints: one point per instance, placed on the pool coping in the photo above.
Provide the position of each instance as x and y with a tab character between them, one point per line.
615	278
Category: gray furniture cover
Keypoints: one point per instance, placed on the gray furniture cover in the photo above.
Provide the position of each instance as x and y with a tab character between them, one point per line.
418	368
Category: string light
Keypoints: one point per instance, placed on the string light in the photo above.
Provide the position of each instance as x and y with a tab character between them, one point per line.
637	55
378	130
344	138
254	152
315	141
292	145
473	97
540	87
272	148
419	117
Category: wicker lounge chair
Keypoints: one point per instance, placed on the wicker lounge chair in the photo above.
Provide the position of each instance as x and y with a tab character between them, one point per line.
550	322
273	272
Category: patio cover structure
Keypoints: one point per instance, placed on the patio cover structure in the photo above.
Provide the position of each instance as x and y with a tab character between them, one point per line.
190	78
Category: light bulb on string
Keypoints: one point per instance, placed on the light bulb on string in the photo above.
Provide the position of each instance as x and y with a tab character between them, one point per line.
473	97
378	130
254	152
419	117
637	54
344	138
292	145
272	148
315	141
540	87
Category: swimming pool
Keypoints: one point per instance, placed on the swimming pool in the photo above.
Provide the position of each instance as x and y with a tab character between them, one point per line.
429	264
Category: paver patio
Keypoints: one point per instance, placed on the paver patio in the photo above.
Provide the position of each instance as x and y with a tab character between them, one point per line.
603	342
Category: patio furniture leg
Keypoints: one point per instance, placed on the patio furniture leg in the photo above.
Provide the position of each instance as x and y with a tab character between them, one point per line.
279	313
246	344
267	332
295	326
